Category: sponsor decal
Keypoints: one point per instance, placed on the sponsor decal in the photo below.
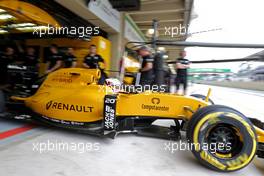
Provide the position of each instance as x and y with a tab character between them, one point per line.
155	105
64	122
155	101
62	80
68	107
109	112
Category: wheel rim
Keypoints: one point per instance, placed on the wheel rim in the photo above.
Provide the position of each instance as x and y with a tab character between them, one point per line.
227	136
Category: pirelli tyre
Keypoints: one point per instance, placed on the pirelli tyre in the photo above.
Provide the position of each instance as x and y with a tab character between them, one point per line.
222	138
203	97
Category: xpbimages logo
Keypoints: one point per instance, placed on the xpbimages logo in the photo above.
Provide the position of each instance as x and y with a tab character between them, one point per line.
181	30
135	88
172	146
61	146
80	31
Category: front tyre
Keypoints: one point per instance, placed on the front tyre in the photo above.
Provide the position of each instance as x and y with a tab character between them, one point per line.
222	138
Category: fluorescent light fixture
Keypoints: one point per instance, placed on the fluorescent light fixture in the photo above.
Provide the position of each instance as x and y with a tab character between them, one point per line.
150	33
3	31
161	48
165	56
6	16
19	25
40	27
2	11
30	28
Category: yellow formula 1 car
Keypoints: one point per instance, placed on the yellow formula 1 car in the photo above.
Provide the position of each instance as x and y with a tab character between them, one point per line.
71	98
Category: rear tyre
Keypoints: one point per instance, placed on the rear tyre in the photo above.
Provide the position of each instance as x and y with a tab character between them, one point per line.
222	138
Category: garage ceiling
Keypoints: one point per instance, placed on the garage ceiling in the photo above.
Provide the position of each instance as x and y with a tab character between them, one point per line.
169	13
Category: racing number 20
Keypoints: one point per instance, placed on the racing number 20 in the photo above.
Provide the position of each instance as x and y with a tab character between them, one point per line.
110	100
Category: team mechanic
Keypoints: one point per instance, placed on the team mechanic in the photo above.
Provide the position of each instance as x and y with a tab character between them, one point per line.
182	65
93	61
54	60
70	60
147	74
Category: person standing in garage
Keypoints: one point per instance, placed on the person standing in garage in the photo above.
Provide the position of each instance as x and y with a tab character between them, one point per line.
147	73
70	60
6	58
54	60
182	65
95	61
30	58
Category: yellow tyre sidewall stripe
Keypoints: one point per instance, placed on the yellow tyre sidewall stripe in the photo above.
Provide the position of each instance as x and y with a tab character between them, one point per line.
236	117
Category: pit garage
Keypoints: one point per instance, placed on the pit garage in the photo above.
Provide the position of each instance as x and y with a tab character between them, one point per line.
66	122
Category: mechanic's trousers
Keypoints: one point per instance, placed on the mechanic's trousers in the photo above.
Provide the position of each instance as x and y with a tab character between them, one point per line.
181	80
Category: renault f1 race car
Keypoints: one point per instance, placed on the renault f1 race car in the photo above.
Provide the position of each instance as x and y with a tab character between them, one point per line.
71	98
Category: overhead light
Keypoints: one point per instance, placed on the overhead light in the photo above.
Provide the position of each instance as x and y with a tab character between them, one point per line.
86	39
3	31
19	25
165	56
2	10
150	33
194	15
161	48
40	27
6	17
30	28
